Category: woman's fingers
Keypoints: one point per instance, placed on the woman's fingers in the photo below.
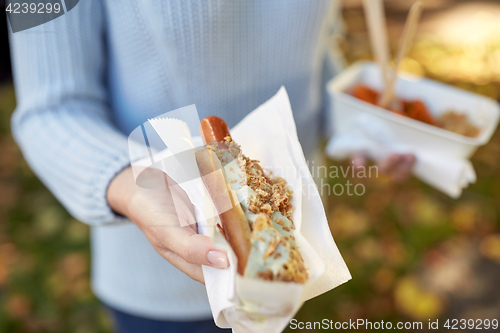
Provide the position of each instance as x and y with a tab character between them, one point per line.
404	168
358	161
195	249
183	207
397	166
195	272
388	165
167	218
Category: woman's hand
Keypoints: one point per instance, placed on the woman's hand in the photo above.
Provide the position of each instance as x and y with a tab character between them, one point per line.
154	212
396	166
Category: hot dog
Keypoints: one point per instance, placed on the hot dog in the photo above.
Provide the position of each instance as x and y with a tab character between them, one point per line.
234	222
254	209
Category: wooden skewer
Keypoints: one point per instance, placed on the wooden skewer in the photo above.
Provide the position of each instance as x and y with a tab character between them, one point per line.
409	31
377	30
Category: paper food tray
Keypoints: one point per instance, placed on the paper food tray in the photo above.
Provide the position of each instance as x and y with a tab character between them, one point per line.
481	111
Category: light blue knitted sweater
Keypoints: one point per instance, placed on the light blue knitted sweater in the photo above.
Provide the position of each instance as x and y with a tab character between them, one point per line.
85	80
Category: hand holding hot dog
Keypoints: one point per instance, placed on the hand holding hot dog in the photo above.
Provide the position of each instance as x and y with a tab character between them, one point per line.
154	213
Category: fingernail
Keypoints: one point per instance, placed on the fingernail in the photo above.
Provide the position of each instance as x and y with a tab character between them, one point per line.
407	159
217	259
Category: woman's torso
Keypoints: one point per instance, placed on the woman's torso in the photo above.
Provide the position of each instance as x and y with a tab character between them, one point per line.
225	56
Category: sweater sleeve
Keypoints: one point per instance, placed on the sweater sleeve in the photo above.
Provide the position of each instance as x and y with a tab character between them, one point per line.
63	121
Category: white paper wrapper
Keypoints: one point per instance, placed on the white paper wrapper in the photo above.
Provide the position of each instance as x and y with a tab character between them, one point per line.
248	305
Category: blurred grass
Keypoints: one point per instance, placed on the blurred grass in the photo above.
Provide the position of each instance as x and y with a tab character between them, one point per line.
44	252
414	253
